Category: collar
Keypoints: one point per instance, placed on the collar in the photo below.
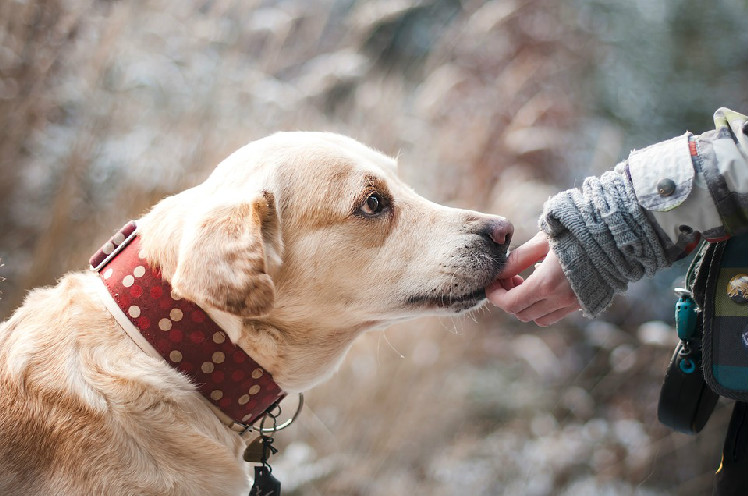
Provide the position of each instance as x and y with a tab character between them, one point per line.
179	331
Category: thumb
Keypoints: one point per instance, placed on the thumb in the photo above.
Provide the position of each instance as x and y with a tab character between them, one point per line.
525	255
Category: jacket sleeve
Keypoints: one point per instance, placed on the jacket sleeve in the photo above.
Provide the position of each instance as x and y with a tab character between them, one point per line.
651	210
709	179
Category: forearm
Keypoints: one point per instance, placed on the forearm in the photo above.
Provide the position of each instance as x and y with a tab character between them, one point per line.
650	211
603	239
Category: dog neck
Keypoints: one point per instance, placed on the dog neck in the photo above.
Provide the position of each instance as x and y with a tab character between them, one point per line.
183	334
296	364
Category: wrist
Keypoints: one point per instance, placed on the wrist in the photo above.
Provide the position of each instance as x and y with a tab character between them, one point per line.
592	290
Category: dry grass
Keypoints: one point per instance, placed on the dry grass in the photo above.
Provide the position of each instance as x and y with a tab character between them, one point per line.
107	106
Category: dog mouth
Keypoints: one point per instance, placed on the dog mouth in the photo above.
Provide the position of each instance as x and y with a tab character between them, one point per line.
466	288
454	302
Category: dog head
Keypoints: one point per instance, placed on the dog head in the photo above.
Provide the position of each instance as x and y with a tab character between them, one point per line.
308	239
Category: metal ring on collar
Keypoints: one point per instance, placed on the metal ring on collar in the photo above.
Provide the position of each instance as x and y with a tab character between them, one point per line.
263	430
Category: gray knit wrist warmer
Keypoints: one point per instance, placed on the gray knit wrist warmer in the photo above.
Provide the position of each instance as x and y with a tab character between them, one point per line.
602	238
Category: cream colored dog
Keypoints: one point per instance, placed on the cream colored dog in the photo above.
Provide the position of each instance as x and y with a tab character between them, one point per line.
296	244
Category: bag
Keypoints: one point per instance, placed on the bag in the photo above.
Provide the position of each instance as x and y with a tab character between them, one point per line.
725	347
686	402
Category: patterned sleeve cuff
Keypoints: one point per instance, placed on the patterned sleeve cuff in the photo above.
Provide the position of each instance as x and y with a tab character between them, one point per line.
722	159
670	187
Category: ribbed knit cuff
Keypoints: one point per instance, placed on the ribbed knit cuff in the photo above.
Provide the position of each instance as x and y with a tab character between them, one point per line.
592	291
603	238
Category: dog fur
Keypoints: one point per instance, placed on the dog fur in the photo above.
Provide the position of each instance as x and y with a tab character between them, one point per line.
283	246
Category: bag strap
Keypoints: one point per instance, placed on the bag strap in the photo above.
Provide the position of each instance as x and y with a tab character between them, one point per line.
698	272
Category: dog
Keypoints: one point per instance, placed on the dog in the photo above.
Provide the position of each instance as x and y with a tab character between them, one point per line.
294	245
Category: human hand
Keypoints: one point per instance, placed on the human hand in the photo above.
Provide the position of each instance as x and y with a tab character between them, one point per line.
545	297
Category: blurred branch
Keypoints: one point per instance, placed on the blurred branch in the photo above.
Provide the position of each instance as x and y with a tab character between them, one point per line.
47	38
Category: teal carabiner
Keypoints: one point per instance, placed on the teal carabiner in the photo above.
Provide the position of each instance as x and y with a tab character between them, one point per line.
685	315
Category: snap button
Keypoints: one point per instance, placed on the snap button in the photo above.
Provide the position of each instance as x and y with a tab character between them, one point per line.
666	187
737	288
685	229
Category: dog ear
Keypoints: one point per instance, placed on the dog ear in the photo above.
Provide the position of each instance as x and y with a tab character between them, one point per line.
223	257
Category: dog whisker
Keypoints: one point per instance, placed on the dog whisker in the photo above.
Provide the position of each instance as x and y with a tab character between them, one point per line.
386	339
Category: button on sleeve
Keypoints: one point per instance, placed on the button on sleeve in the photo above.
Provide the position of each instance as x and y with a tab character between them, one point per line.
662	174
666	187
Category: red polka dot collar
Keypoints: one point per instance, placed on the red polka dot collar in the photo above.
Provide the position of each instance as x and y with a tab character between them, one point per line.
182	333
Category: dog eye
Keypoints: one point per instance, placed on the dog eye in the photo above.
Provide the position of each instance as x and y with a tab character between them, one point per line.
373	204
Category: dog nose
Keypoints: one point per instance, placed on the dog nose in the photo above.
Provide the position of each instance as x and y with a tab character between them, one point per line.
500	231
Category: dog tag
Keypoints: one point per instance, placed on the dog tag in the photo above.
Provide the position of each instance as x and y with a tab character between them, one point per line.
265	484
255	451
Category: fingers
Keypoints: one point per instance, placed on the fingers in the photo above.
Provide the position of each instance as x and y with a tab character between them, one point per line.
511	282
525	255
545	297
554	317
546	307
541	285
543	312
512	299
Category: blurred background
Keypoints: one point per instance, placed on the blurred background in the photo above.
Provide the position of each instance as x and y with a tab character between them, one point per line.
108	106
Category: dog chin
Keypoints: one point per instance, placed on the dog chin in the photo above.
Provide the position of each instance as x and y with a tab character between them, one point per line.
449	303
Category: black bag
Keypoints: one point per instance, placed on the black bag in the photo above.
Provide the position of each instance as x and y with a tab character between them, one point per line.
686	401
